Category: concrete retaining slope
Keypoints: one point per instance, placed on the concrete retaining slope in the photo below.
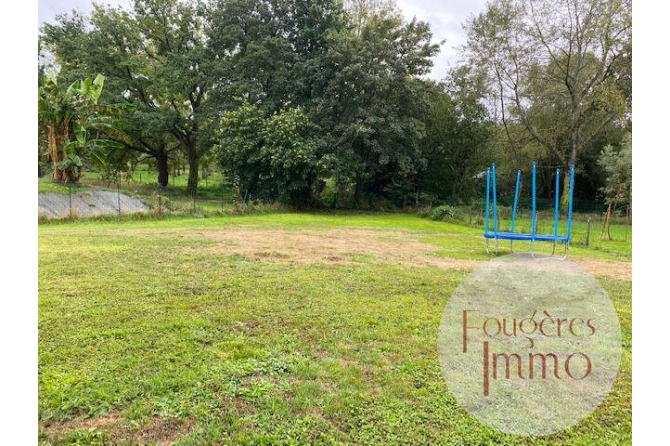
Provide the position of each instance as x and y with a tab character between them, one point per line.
87	203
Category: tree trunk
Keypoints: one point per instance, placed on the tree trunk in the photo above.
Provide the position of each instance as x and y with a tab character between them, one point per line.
56	155
605	233
456	193
193	161
574	149
163	172
565	197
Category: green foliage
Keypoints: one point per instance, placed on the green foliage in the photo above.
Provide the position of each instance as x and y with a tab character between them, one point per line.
241	145
76	126
291	150
618	168
368	109
275	49
273	157
445	213
371	130
557	75
458	132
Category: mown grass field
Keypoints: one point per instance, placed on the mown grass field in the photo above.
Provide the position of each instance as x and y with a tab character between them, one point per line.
273	329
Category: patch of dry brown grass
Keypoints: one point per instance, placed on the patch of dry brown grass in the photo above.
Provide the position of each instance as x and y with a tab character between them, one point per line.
156	430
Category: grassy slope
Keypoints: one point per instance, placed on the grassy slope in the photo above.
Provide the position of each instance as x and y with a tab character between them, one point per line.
47	185
240	351
213	195
142	183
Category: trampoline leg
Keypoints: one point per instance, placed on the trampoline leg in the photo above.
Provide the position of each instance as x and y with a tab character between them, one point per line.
532	248
511	246
487	246
553	249
496	245
565	252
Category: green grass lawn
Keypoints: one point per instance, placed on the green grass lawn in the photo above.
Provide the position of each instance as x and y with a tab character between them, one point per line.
46	184
145	182
152	333
215	197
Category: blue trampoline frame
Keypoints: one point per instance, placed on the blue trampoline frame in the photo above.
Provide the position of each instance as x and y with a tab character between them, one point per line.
533	236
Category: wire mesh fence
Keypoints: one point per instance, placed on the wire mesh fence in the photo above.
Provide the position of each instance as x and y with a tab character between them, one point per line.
140	193
95	195
588	228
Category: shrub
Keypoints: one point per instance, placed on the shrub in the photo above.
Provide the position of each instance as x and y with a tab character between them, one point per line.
445	213
425	211
257	207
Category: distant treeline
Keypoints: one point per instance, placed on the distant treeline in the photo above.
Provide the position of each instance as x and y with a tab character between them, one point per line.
328	102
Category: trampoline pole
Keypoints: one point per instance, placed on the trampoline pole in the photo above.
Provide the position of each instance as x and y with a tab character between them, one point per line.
488	197
572	186
558	176
495	203
516	200
533	218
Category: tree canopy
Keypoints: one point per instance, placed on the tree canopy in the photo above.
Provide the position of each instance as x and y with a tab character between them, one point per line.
558	71
329	102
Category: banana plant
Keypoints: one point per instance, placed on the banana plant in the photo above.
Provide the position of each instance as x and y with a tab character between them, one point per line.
77	126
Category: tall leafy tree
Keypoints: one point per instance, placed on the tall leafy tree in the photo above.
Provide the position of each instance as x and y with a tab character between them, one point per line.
369	107
556	68
458	133
174	39
132	74
618	167
275	47
269	156
157	57
277	52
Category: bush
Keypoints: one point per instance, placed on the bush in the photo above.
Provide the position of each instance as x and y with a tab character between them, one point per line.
382	205
425	211
257	207
445	213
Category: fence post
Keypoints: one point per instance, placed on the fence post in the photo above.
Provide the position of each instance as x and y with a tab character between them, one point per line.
118	196
588	231
140	177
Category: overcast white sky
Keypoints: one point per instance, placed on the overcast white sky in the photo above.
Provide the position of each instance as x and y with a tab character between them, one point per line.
445	17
